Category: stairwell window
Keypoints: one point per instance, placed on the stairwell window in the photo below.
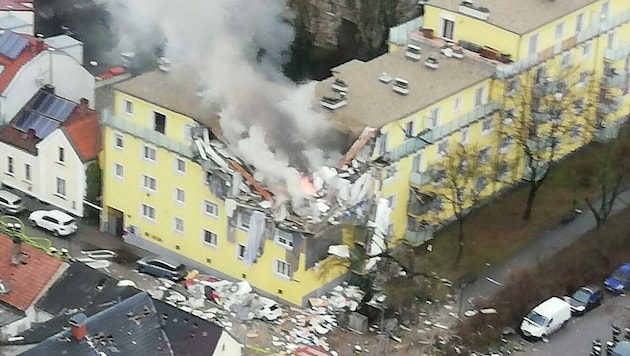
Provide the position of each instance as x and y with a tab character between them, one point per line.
240	252
180	195
10	166
61	155
61	187
282	269
119	141
128	107
118	170
179	225
180	165
159	122
27	172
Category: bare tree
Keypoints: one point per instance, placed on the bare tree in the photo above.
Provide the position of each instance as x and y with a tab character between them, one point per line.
545	116
461	183
610	174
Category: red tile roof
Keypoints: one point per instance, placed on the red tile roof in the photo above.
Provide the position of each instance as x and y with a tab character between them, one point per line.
17	5
27	281
12	66
83	132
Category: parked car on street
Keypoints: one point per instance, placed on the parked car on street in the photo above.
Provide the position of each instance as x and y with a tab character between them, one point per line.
55	221
10	203
162	267
619	281
268	309
546	318
585	299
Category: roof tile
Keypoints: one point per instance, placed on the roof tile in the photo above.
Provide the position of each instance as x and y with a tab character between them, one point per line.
83	131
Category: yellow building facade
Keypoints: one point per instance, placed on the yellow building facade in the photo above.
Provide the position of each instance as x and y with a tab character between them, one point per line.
160	196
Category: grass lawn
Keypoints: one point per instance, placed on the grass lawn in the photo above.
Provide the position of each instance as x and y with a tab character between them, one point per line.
496	231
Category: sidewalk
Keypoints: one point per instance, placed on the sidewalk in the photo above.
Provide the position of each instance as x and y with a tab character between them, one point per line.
537	251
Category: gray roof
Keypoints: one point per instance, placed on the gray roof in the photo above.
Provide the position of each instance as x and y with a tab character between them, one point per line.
175	90
520	16
131	327
373	103
62	41
12	22
9	315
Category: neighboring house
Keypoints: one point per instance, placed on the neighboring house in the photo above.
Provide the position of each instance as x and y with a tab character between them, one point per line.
136	325
19	13
27	66
186	196
46	149
67	44
25	273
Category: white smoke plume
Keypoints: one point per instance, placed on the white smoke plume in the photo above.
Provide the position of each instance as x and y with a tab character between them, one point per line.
266	119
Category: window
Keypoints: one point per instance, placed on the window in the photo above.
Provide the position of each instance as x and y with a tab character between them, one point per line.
512	86
149	153
559	31
434	118
180	165
149	183
481	184
159	122
118	170
417	163
579	23
486	125
533	45
604	11
566	59
479	96
61	186
391	201
179	224
188	132
180	196
612	37
61	157
448	29
244	219
583	78
284	238
465	135
283	269
457	105
331	8
210	208
210	238
390	172
240	252
586	49
118	140
148	212
10	165
484	155
27	172
409	129
382	143
128	107
443	147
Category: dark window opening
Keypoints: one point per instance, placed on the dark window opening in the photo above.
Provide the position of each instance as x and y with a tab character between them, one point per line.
159	122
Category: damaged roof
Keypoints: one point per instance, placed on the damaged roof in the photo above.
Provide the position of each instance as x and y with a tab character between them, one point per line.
373	103
520	16
175	90
130	327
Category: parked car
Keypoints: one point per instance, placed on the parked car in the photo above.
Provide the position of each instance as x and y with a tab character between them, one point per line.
162	267
621	349
10	203
619	281
268	309
55	221
546	318
585	299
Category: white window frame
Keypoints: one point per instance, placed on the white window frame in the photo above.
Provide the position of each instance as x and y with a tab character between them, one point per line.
145	150
442	147
605	9
204	208
479	96
279	267
559	31
566	59
465	135
61	155
417	164
61	192
532	48
213	236
457	105
434	117
487	130
442	29
241	221
382	143
579	23
119	137
28	172
177	195
144	208
178	225
240	247
287	243
10	166
410	128
116	170
188	131
587	48
145	179
611	41
128	105
179	160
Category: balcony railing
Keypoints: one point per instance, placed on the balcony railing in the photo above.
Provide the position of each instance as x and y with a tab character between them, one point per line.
615	54
614	80
126	125
420	236
420	179
415	144
417	208
598	28
609	106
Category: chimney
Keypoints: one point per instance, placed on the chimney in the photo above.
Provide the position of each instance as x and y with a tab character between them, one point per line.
39	43
84	104
78	326
16	251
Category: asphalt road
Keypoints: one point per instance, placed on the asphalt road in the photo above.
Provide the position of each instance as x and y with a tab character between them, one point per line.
577	337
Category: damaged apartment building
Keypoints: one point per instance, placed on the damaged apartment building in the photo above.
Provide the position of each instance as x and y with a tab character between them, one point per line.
187	195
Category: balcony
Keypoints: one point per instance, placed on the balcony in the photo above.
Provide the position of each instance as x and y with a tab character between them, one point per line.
614	80
615	54
606	133
418	232
127	126
427	137
420	179
609	106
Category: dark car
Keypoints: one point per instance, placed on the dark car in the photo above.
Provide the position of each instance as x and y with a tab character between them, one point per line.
163	267
619	281
585	299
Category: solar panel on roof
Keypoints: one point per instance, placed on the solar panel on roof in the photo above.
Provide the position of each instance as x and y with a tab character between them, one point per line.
56	108
12	44
44	126
38	101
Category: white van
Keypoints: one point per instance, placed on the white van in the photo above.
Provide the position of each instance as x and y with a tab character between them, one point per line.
10	203
546	318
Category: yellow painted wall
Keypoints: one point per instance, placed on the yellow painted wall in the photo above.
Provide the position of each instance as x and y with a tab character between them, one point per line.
127	194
